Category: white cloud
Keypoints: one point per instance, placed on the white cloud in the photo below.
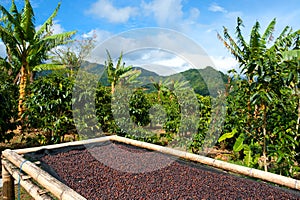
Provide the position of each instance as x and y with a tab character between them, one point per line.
104	9
56	27
156	60
98	35
162	50
194	14
165	12
216	8
170	14
225	63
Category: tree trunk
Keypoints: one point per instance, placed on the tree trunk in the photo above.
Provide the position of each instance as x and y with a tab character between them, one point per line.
264	109
8	189
298	119
112	88
23	82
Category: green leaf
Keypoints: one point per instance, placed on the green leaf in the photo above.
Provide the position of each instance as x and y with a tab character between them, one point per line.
269	31
248	153
48	23
254	97
290	55
238	145
267	78
27	21
43	67
227	135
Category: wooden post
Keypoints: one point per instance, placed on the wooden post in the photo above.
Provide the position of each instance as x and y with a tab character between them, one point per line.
34	190
54	186
8	185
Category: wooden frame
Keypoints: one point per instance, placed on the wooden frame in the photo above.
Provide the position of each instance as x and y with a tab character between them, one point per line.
12	161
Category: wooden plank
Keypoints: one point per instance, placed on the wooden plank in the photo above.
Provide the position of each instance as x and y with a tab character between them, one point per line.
251	172
58	189
67	144
8	188
32	189
267	176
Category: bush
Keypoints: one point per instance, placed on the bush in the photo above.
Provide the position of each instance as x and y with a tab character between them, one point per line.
49	107
8	107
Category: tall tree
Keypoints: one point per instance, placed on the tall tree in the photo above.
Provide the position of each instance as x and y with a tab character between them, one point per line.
291	63
73	54
259	60
27	48
119	72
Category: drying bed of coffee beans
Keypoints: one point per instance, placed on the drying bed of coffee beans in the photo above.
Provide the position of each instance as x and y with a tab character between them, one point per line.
119	171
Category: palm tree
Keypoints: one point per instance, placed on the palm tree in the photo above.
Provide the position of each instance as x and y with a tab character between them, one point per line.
292	60
26	47
161	88
259	60
120	72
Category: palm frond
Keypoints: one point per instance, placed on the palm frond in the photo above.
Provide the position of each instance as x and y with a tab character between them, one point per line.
284	32
14	11
47	66
108	56
47	23
119	61
133	75
123	72
267	35
228	47
290	55
56	40
241	41
285	40
255	36
234	46
27	21
7	37
109	66
10	18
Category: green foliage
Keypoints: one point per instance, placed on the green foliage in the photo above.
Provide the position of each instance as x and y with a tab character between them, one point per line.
26	47
119	73
203	124
103	110
239	143
227	135
139	108
260	103
8	107
49	107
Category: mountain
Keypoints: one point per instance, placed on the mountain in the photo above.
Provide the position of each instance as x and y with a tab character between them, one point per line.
207	81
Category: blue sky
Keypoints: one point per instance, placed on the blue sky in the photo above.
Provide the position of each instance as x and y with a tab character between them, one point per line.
199	20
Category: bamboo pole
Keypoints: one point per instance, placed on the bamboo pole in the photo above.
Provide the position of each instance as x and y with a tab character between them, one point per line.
58	189
8	188
267	176
251	172
32	189
67	144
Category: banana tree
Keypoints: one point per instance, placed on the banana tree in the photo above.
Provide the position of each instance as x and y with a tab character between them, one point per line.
259	60
27	48
292	63
117	74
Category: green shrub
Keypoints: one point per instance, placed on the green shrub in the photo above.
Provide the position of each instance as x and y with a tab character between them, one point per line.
8	107
49	107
